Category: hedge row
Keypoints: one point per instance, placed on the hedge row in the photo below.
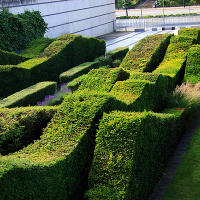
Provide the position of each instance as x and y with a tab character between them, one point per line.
30	95
192	71
77	71
64	53
16	31
174	61
36	46
130	154
118	53
147	54
10	58
21	126
57	165
191	32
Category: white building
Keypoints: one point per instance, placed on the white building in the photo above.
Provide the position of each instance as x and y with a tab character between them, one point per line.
84	17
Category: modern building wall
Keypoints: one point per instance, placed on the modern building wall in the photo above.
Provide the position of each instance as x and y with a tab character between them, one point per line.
85	17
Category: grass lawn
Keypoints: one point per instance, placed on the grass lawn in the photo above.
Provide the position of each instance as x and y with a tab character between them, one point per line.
186	182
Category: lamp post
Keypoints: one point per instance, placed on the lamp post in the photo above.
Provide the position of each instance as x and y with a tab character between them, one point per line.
141	8
126	8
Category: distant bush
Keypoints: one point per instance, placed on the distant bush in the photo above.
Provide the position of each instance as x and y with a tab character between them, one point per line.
16	31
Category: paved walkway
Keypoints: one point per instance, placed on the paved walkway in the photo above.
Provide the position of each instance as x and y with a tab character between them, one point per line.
128	39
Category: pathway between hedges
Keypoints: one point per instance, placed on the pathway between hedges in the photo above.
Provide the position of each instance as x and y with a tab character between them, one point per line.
175	160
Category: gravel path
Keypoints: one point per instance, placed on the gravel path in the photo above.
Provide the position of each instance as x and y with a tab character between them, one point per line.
175	160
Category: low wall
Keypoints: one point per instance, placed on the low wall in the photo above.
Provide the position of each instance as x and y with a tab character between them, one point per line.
85	17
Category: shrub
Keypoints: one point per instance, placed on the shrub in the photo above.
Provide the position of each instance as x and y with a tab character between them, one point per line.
77	71
136	94
147	54
36	46
102	80
173	64
192	71
130	155
10	58
20	126
118	53
30	95
16	31
64	53
191	32
57	165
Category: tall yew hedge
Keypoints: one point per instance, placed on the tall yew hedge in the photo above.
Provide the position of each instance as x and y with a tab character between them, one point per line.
16	31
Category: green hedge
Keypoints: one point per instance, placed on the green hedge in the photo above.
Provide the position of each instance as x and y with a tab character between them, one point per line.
130	155
64	53
174	61
36	46
10	58
147	54
20	126
191	32
102	80
137	94
118	53
77	71
192	71
30	95
57	165
16	31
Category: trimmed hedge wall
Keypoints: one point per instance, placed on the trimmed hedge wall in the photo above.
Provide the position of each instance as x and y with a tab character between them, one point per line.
64	53
130	155
30	95
20	126
102	80
57	165
77	71
192	70
16	31
147	54
37	46
10	58
174	61
136	94
191	32
118	53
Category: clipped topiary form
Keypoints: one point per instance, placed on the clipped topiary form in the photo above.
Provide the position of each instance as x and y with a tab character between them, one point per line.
192	70
146	55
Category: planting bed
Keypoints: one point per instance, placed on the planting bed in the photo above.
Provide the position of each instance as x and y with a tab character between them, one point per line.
104	141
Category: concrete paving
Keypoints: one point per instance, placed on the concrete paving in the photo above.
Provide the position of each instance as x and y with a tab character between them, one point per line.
128	39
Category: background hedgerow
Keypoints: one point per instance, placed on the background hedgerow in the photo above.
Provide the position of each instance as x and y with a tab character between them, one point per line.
17	31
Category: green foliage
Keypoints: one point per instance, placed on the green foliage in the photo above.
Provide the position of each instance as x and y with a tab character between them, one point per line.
36	46
77	71
16	31
185	183
57	165
130	155
102	80
173	63
191	32
135	93
64	53
118	53
30	95
20	126
147	54
174	3
192	70
10	58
